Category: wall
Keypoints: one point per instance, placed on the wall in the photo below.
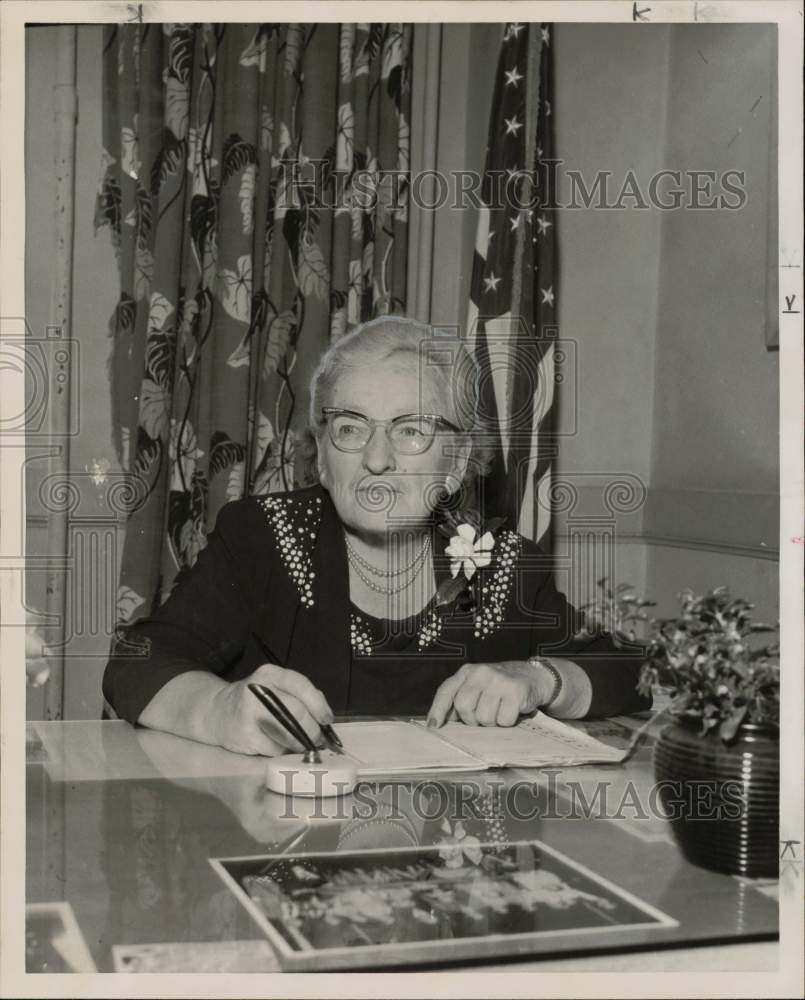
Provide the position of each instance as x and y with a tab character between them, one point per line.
610	97
666	310
95	535
715	464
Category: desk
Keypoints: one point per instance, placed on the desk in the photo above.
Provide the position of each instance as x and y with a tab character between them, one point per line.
122	822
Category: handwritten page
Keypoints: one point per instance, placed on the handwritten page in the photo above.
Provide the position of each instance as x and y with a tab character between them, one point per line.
396	747
538	742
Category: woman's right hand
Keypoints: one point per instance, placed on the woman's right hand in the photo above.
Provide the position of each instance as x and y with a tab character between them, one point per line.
242	725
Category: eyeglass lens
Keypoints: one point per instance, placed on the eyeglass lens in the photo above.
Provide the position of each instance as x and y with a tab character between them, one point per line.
410	436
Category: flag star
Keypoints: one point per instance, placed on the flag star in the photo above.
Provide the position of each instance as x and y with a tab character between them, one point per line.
513	171
512	76
491	283
489	236
513	30
514	222
547	108
544	224
530	214
546	35
540	151
547	296
512	125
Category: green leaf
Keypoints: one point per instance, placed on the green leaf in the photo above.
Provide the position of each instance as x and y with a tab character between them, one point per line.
294	40
108	205
224	452
279	334
159	359
153	409
180	53
313	274
450	589
125	313
202	222
237	154
168	162
729	727
147	452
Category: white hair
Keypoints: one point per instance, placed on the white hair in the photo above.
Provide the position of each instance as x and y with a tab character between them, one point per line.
416	347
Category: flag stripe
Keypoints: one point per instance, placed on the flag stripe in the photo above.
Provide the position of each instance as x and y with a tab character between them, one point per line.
513	295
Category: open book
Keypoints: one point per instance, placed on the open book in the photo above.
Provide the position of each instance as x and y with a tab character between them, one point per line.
397	747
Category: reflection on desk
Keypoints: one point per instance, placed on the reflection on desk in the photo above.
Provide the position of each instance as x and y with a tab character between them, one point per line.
122	824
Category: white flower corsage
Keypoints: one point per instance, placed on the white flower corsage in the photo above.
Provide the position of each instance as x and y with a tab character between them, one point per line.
470	548
468	554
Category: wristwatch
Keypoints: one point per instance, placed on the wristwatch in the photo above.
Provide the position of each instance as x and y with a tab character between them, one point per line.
558	683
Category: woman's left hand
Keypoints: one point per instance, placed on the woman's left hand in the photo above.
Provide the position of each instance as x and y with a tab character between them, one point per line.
491	694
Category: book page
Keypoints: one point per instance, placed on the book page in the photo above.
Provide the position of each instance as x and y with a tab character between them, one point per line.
536	742
397	746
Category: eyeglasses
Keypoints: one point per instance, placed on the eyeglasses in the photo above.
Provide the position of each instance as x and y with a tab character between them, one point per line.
410	434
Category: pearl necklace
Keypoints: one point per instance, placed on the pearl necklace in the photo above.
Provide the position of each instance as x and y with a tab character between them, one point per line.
390	591
354	557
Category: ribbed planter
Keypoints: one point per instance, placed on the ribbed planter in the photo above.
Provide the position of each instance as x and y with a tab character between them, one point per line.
722	800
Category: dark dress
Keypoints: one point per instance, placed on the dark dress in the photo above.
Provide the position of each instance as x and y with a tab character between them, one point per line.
276	567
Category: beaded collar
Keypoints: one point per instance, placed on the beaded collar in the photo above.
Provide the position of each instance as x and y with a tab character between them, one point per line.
363	636
295	520
494	593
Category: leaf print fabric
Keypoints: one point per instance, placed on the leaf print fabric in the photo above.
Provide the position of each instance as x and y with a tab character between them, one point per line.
241	181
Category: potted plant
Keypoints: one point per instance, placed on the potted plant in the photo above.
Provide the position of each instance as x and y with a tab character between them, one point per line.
718	762
618	612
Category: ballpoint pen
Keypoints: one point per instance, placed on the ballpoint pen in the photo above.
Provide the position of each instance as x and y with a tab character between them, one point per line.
328	732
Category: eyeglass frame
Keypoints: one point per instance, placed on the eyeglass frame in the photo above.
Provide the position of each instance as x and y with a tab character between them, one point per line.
328	411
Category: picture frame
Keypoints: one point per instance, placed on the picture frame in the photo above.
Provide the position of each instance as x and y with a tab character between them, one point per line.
424	905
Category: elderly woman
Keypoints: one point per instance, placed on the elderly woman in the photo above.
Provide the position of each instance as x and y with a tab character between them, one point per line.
339	597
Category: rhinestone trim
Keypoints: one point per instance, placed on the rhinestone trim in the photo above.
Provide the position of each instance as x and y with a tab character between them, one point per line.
295	523
430	630
496	589
360	637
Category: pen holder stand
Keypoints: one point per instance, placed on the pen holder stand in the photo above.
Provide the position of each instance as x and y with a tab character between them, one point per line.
311	776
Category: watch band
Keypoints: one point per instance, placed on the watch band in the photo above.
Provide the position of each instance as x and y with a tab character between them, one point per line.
558	683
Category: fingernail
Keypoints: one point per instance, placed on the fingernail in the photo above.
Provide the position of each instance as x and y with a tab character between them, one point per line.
432	723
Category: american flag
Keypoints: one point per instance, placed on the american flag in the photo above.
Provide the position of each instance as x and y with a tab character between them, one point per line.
511	322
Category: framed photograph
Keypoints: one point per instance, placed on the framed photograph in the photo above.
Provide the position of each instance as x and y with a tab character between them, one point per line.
423	905
53	940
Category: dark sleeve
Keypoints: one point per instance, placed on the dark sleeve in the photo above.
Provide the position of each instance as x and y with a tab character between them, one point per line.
613	670
203	625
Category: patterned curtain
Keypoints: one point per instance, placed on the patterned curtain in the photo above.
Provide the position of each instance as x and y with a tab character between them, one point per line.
242	185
